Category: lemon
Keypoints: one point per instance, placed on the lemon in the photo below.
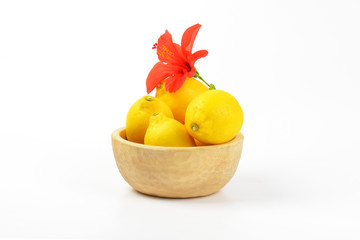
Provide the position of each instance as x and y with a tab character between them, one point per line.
179	100
137	119
164	131
199	144
214	117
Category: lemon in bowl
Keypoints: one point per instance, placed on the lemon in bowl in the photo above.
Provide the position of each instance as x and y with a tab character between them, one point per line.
214	117
178	101
167	132
137	119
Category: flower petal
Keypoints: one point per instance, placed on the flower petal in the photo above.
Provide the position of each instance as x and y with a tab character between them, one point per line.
199	54
193	58
181	55
169	52
174	82
158	73
188	38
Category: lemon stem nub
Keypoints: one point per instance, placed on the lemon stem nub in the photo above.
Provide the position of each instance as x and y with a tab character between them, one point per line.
194	127
160	86
155	113
148	98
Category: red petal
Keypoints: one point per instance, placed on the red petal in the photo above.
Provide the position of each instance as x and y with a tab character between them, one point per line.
180	53
158	73
168	51
174	83
193	58
188	38
199	54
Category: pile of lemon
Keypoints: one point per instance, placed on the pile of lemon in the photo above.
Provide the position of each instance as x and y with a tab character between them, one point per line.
191	116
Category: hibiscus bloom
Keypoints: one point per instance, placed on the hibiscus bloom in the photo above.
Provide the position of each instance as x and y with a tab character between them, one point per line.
176	62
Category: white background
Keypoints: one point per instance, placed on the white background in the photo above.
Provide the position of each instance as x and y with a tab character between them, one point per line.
69	71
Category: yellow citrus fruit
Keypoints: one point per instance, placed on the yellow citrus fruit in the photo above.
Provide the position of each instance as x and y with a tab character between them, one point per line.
214	117
164	131
179	100
137	119
199	144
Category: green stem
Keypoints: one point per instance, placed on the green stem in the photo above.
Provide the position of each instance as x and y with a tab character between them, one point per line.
211	86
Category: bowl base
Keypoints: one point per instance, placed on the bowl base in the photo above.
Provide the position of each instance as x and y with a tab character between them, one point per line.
173	196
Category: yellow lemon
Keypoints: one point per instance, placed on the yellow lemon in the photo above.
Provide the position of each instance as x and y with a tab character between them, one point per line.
137	119
179	100
199	144
164	131
214	117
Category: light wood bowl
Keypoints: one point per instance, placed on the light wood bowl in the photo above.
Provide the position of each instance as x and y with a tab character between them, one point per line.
176	172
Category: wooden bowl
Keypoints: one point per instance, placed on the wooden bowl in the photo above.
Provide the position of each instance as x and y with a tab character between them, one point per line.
176	172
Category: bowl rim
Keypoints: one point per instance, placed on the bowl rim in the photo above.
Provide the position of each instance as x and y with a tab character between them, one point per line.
116	136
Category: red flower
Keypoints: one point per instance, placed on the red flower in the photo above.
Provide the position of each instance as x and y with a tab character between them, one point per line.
176	62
